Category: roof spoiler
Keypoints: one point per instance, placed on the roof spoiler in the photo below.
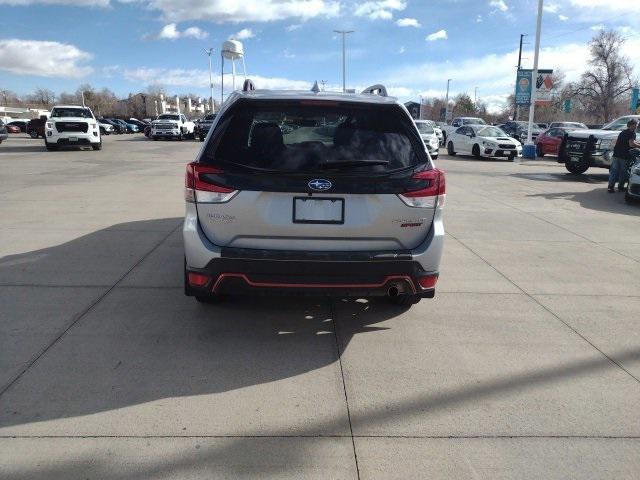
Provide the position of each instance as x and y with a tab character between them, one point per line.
377	89
248	85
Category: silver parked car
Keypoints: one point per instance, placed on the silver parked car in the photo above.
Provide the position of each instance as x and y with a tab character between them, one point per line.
313	193
429	137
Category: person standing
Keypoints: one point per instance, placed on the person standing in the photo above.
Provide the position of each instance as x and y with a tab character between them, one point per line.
621	155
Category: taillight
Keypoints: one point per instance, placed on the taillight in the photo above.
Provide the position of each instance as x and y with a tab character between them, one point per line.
197	189
428	282
430	195
197	279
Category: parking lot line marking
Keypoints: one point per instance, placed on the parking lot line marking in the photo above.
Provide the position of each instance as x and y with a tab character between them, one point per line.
547	309
344	385
81	315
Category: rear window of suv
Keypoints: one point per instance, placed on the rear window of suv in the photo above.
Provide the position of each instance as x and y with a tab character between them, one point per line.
315	136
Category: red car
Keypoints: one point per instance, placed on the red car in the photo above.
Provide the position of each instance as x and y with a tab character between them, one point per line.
548	142
13	129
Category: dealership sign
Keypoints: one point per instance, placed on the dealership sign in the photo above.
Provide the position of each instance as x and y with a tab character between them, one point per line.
544	87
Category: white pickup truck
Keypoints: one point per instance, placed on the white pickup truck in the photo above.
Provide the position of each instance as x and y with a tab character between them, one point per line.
457	123
72	125
581	149
172	125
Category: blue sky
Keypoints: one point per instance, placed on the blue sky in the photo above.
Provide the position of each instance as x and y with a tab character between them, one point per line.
412	46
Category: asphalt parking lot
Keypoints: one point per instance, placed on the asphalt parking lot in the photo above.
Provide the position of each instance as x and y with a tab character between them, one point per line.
525	365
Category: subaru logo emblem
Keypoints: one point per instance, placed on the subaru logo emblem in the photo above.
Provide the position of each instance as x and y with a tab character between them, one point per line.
320	185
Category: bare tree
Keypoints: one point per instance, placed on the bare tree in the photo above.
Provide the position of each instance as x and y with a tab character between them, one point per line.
42	97
608	78
8	97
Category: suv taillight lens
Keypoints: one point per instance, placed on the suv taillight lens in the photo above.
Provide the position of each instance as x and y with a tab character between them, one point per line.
199	190
429	196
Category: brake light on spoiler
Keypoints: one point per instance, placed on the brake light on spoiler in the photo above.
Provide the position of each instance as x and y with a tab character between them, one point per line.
200	189
432	191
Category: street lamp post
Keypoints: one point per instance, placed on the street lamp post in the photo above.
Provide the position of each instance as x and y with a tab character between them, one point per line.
209	52
534	75
344	66
446	102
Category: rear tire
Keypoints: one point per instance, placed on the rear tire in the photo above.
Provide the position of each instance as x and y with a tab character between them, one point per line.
33	134
50	147
476	151
450	149
97	146
539	151
629	199
405	300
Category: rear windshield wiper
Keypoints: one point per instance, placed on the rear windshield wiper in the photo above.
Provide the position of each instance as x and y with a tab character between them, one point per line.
249	167
353	163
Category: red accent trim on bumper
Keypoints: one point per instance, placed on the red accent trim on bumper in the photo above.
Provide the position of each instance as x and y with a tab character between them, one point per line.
251	283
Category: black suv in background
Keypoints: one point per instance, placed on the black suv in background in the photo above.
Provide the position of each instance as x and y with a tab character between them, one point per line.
204	125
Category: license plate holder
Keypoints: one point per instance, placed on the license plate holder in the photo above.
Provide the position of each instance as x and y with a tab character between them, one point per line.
73	139
318	210
574	159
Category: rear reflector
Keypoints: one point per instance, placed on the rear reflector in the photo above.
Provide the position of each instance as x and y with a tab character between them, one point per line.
428	282
204	190
197	279
431	194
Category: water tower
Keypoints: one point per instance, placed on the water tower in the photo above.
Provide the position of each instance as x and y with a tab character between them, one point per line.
232	50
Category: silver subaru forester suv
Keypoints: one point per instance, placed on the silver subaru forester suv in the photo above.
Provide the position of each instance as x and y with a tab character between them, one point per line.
313	193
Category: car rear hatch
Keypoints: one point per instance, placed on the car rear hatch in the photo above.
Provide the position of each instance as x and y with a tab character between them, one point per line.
315	175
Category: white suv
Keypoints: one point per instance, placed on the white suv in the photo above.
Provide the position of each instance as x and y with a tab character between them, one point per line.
72	125
313	193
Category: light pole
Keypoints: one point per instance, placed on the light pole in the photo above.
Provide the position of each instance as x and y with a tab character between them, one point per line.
446	102
209	52
344	67
475	97
534	77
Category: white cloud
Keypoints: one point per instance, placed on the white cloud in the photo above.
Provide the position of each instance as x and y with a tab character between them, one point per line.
499	5
563	18
171	32
498	81
402	50
379	9
75	3
408	22
196	78
195	32
294	27
479	19
45	59
221	11
551	7
242	34
439	35
605	5
600	26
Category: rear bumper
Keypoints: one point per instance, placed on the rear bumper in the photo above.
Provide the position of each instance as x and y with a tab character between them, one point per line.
350	273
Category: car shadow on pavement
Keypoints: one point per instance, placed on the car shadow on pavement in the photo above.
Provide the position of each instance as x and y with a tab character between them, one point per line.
36	147
140	343
596	178
468	158
597	199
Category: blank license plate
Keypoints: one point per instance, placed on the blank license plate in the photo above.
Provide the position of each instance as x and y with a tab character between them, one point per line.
318	210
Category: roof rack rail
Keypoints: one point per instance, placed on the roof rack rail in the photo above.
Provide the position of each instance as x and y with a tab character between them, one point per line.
377	89
248	85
